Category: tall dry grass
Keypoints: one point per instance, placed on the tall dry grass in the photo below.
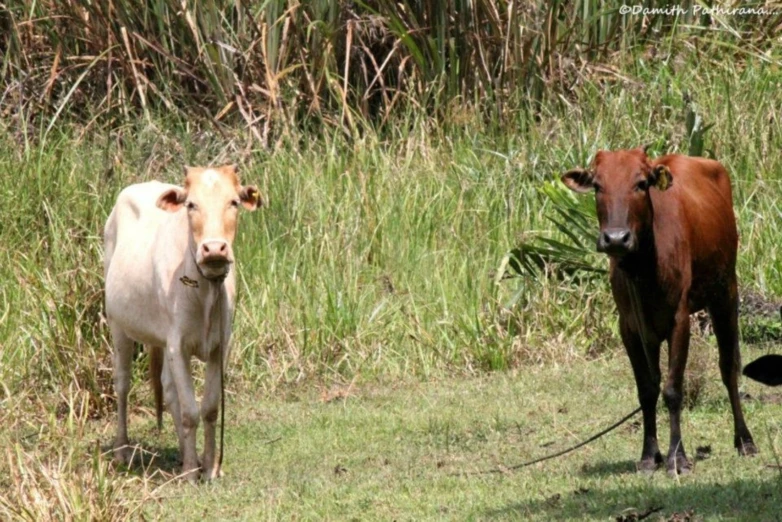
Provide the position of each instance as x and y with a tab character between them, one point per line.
275	64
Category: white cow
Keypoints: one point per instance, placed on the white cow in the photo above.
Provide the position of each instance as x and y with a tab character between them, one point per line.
169	286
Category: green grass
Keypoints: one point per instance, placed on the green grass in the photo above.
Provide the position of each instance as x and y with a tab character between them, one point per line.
375	264
415	451
410	453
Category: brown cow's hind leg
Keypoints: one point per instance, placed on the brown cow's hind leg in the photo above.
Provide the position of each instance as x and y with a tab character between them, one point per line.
724	315
678	348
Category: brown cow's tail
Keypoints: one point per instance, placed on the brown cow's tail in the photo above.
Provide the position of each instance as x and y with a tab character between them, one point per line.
155	376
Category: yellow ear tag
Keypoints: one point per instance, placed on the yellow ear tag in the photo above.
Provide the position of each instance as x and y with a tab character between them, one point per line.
663	179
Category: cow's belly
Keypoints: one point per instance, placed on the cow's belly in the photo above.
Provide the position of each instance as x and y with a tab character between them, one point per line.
136	312
132	303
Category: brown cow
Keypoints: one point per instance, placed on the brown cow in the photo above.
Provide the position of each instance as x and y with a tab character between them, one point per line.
670	232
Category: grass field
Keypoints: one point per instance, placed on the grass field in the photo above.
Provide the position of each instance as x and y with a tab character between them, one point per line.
378	354
418	451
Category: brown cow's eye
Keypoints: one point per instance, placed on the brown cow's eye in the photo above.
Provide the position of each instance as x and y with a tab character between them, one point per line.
642	185
597	187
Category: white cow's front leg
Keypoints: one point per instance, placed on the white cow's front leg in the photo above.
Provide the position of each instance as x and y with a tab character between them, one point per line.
209	410
179	370
171	399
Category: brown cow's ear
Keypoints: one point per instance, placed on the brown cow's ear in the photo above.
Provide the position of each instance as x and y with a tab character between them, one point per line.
172	199
578	180
251	197
661	178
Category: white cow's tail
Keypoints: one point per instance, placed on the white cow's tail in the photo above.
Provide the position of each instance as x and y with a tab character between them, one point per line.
109	241
155	376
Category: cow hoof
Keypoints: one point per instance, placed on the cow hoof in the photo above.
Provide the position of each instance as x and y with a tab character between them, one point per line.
647	466
747	449
679	466
123	454
192	476
212	474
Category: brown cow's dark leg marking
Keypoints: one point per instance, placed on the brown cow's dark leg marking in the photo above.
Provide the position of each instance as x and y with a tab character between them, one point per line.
724	316
678	349
648	393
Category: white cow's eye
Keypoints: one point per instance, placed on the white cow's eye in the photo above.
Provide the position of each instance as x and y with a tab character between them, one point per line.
235	203
190	205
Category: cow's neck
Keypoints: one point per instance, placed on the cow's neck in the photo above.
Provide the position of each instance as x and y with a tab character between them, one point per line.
212	296
639	274
214	303
640	267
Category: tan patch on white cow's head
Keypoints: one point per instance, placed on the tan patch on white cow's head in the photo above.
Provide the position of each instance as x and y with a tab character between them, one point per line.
211	196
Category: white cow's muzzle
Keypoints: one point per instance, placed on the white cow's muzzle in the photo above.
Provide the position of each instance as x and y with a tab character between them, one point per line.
214	258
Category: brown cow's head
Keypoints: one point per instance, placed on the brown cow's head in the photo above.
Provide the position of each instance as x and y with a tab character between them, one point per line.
621	181
212	197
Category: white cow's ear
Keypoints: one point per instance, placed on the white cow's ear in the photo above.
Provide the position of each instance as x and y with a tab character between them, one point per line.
172	199
251	197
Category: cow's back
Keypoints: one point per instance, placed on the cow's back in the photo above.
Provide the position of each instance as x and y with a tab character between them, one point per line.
694	222
132	262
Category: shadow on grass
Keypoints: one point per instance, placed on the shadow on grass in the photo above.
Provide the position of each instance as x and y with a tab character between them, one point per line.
609	469
149	460
736	500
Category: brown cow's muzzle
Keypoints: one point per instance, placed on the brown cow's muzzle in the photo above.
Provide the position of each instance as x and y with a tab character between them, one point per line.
616	242
214	258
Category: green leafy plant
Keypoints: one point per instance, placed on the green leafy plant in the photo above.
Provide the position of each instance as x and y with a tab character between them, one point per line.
568	250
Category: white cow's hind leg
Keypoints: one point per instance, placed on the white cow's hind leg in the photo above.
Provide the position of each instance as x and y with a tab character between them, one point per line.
179	368
122	359
209	410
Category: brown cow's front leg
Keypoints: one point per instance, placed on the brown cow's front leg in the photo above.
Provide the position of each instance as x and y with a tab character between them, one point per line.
724	316
648	385
678	348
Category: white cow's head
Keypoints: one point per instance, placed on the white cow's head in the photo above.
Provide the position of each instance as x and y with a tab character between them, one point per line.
211	196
